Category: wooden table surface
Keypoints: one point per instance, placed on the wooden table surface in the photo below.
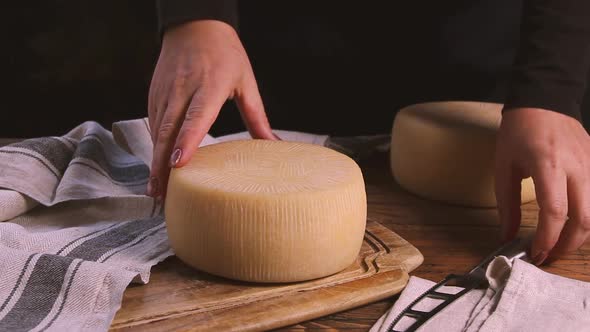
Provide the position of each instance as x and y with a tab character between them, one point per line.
451	238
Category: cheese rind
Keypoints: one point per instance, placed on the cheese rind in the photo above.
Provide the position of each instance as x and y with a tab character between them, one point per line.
445	151
267	211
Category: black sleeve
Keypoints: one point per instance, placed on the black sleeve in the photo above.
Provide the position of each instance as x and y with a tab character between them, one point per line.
552	62
172	12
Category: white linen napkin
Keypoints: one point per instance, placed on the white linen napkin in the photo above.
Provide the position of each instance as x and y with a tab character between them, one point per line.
521	297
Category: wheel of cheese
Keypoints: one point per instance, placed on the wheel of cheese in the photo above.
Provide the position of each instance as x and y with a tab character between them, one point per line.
445	151
267	211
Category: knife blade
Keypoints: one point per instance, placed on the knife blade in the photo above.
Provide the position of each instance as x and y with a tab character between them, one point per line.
475	278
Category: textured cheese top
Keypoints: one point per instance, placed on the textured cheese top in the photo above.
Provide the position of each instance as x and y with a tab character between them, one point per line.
262	166
476	116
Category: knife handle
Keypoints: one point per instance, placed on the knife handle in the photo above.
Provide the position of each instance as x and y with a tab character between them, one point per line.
463	281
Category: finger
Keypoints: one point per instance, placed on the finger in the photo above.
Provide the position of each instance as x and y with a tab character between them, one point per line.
161	106
151	110
577	228
200	115
165	132
508	187
154	96
251	108
152	106
551	190
174	91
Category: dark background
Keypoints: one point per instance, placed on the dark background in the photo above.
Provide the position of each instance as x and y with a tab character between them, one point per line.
337	69
73	61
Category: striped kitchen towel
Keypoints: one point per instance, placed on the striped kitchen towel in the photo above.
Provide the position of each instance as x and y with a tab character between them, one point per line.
76	227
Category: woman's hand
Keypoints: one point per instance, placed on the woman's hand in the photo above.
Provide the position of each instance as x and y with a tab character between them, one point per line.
201	65
554	150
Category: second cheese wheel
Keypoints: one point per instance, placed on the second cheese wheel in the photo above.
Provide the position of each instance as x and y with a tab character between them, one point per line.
267	211
445	151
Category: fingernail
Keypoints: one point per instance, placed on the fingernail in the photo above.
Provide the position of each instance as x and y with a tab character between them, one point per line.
175	158
540	258
152	187
276	137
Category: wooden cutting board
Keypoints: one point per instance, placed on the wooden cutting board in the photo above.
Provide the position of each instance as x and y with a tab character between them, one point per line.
181	298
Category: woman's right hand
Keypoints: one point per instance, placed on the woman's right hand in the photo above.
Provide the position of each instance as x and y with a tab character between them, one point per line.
201	65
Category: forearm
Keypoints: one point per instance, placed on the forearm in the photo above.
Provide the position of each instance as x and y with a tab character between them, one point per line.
552	62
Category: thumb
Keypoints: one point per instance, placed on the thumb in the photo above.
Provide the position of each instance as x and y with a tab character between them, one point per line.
251	108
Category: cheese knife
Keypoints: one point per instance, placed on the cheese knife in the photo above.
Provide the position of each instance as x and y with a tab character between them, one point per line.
476	278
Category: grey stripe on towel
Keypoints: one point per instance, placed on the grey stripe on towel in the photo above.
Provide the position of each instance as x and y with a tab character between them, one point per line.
94	248
51	148
92	148
18	282
41	291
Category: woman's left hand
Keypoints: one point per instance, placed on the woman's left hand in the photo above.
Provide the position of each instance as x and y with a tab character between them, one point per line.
553	149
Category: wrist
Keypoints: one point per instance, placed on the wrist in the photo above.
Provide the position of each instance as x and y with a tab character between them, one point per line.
194	28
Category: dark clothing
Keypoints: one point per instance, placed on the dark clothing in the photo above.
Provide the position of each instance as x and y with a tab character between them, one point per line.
524	53
179	11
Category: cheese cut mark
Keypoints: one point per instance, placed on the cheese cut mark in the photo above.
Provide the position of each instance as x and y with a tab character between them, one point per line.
267	211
